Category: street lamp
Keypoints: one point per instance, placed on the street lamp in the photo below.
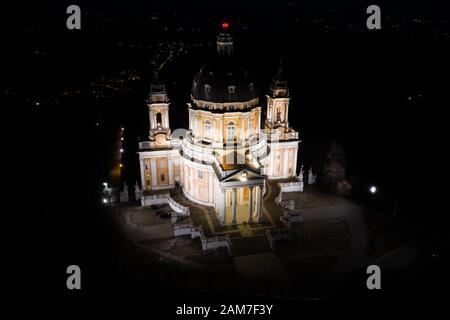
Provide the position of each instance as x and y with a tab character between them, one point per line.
373	189
121	150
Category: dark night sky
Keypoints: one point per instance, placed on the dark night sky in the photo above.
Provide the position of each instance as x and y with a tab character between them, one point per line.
349	85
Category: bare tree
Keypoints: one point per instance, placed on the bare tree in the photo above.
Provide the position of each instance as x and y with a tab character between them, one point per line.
334	167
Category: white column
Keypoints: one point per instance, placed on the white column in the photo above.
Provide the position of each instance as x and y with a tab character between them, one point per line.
190	119
221	131
194	124
234	207
250	205
150	117
166	118
181	171
286	110
285	162
272	161
170	164
210	185
260	205
154	173
186	174
242	131
223	218
141	164
258	124
214	132
294	168
192	181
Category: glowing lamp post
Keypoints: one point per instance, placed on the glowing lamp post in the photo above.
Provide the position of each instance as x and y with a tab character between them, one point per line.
373	189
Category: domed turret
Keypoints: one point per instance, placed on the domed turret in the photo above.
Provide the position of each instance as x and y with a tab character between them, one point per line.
224	81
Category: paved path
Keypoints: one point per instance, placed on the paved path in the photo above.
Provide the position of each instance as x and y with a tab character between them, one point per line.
354	257
173	258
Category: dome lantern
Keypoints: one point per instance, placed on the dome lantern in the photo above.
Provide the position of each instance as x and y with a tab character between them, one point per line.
224	41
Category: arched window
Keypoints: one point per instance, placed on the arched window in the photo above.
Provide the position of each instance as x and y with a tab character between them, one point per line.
207	129
230	131
159	120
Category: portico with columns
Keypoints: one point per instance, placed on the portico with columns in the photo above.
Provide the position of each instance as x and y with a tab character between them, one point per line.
241	199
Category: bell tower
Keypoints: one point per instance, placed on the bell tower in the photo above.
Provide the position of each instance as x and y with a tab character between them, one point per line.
158	104
282	139
278	102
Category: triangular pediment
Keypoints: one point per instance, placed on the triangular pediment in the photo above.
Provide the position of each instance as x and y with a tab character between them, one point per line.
243	174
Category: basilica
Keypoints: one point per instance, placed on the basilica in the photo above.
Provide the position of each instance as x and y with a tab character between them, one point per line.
225	156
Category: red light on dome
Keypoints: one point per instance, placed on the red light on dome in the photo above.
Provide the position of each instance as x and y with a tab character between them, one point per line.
225	25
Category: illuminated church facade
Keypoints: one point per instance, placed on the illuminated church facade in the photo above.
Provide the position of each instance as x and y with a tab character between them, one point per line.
228	151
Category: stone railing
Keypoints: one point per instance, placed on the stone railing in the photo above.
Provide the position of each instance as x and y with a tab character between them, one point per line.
165	198
292	135
276	136
291	186
184	229
275	235
291	217
197	232
296	186
270	136
144	145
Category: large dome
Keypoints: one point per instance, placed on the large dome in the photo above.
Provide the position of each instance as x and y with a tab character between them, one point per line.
224	80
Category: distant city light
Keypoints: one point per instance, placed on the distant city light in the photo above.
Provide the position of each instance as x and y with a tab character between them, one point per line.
121	165
121	139
225	25
123	129
105	184
121	150
373	189
104	200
